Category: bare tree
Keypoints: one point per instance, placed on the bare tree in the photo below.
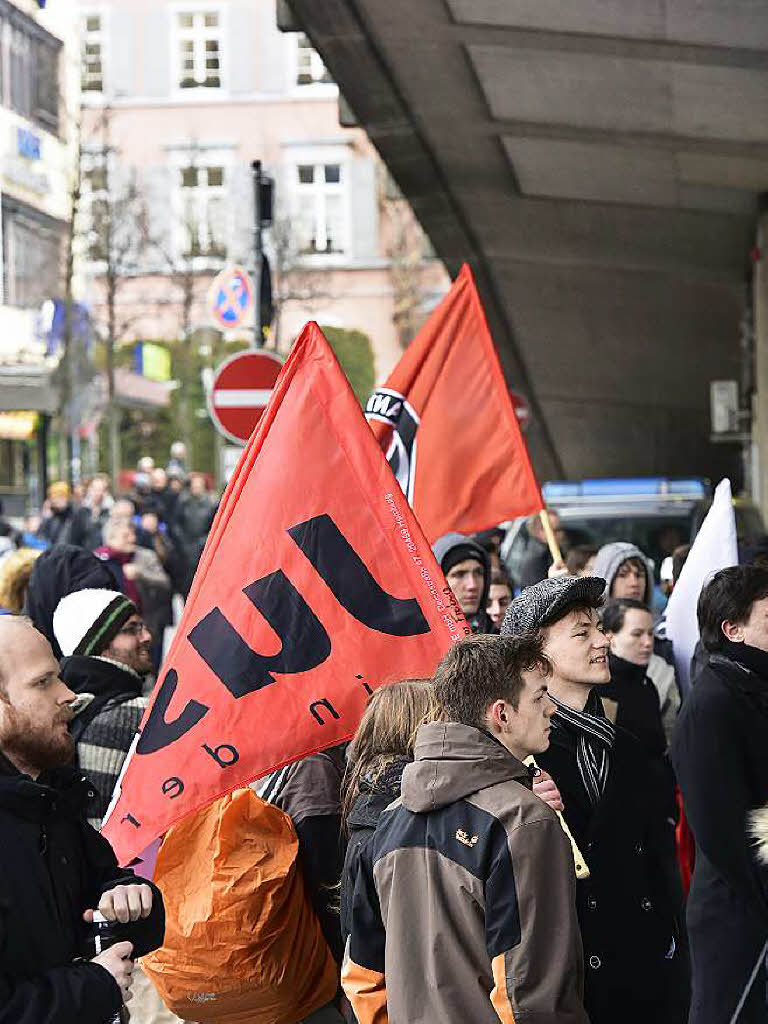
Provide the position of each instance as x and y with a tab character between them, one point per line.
117	237
294	281
180	257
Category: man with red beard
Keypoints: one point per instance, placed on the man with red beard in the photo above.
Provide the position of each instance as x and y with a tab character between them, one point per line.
55	869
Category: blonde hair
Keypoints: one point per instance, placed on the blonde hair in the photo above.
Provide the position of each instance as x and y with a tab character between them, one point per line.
387	731
15	570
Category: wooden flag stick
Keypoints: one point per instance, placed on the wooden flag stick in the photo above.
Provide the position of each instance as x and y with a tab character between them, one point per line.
549	533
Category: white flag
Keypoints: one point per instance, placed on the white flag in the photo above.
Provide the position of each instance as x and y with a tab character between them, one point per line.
714	548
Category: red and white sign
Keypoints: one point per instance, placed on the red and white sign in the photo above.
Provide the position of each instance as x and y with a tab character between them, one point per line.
241	389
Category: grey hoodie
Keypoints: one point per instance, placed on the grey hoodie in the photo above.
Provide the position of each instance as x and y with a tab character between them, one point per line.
464	905
611	557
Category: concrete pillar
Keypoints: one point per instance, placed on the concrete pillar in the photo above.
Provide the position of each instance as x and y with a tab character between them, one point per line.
760	404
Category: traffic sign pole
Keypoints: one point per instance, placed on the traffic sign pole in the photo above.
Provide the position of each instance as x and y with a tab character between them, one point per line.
258	250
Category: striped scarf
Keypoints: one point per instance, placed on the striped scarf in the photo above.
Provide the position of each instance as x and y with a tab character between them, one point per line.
594	739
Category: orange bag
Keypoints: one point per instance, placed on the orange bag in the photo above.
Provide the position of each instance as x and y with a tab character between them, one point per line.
242	942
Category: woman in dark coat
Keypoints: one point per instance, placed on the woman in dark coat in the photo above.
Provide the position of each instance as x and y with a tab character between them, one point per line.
720	754
380	750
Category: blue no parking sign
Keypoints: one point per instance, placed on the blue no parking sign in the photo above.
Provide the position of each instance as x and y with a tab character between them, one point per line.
231	297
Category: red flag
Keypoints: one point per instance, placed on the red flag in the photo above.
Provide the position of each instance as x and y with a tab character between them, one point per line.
316	586
446	422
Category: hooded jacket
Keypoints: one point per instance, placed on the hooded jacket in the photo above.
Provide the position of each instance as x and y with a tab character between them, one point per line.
661	669
464	904
53	866
611	557
442	548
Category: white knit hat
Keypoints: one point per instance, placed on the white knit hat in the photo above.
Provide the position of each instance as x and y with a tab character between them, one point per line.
87	621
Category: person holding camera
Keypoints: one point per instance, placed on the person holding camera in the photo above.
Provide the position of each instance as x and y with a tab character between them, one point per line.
55	869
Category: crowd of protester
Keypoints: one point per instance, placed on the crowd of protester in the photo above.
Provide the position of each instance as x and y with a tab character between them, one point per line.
510	840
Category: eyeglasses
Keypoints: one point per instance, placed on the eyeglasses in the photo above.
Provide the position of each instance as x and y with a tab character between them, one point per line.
133	629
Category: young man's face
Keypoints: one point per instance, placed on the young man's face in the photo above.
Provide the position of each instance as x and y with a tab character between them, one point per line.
131	646
466	581
754	631
577	648
499	597
525	730
630	581
35	707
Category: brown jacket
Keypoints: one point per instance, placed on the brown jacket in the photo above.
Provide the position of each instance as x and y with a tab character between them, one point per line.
464	905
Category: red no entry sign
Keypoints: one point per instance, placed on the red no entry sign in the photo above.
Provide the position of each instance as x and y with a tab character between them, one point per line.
241	389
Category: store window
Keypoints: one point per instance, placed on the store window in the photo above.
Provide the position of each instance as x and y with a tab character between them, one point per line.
199	49
321	209
33	246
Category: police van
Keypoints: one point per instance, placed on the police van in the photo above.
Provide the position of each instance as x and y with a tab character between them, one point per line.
657	514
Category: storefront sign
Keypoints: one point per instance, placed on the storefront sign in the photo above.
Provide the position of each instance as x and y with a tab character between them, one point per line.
17	426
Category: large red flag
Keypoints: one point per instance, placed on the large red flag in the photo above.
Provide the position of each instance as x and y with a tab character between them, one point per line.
446	422
316	586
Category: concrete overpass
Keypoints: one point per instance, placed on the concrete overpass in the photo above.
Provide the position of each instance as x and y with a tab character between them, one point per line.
599	164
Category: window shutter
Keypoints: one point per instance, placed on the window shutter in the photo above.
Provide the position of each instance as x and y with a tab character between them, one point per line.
364	210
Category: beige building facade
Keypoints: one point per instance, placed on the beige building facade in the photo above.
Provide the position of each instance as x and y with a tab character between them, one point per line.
179	99
39	100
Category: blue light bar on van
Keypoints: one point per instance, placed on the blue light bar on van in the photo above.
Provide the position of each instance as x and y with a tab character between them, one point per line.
650	486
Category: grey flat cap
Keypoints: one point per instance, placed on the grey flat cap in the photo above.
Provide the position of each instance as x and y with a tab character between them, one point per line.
540	603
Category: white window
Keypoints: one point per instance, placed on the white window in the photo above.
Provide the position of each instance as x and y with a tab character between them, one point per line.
198	37
321	207
92	76
203	211
310	69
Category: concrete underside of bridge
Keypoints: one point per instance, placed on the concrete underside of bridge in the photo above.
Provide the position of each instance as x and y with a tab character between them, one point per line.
599	165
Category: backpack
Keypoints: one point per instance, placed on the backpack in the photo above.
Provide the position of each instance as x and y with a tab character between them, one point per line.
242	942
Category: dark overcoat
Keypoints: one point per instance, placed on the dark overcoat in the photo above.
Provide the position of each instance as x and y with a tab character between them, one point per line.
720	754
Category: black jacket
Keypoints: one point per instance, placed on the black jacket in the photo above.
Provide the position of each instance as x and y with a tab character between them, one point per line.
720	754
53	867
443	547
56	528
87	530
629	910
377	792
639	712
535	563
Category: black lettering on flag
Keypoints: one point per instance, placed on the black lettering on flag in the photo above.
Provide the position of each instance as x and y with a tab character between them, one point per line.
172	787
305	642
232	756
351	583
158	733
324	703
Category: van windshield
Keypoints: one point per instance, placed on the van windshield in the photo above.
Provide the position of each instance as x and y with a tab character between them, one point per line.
656	536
